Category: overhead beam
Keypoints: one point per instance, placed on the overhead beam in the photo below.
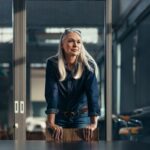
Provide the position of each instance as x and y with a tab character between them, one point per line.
42	14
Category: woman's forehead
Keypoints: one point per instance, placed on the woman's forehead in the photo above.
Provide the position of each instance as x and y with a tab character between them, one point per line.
73	35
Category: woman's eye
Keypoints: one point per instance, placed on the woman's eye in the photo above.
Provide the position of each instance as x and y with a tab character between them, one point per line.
70	41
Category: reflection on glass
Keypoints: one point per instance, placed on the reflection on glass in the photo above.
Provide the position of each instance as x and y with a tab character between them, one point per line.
43	38
36	120
6	102
37	123
131	105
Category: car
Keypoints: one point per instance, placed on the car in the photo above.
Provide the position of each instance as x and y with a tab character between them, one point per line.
36	124
37	121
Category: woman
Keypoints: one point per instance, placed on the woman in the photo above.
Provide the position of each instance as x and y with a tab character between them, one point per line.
71	89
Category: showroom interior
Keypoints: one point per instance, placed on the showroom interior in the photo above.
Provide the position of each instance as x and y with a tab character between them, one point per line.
115	32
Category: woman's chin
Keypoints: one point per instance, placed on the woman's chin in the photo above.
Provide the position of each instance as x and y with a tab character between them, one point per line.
75	53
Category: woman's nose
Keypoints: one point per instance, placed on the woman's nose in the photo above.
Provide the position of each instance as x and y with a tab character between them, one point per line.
74	43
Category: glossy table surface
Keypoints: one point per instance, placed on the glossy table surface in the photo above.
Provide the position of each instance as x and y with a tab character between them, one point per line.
101	145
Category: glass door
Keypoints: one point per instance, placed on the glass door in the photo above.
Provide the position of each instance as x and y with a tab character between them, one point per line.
6	75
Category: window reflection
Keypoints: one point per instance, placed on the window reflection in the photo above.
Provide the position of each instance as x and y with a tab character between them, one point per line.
131	106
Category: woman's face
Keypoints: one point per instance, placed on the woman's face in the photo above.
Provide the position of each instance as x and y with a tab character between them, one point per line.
71	44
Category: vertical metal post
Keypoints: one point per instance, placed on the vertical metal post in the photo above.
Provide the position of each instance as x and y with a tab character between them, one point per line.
108	13
19	68
28	89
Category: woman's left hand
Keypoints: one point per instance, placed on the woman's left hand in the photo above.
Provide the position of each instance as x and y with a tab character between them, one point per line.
88	131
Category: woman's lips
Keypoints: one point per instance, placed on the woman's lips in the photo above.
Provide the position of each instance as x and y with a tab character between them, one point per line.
74	50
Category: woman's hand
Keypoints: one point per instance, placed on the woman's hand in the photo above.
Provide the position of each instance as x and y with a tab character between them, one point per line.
56	132
88	131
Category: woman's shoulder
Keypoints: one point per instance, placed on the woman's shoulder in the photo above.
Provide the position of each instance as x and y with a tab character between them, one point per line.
52	60
90	68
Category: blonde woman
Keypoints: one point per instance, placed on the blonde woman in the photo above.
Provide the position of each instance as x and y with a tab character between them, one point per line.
71	88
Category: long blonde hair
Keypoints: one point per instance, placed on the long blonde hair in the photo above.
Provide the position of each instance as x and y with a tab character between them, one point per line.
84	59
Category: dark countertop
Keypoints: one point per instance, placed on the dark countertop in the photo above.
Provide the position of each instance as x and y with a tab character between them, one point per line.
100	145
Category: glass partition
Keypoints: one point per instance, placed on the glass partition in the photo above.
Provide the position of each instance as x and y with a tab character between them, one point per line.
42	42
130	63
131	104
6	75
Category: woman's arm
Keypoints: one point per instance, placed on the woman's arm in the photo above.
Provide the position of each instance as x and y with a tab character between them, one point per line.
57	131
92	92
51	88
52	97
51	118
91	87
88	130
94	120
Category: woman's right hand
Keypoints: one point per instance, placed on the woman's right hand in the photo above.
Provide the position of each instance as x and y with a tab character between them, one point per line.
57	132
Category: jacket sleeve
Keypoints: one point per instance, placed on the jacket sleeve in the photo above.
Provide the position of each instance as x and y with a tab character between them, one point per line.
51	88
92	93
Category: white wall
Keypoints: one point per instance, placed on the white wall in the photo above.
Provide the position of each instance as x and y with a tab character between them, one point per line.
37	84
